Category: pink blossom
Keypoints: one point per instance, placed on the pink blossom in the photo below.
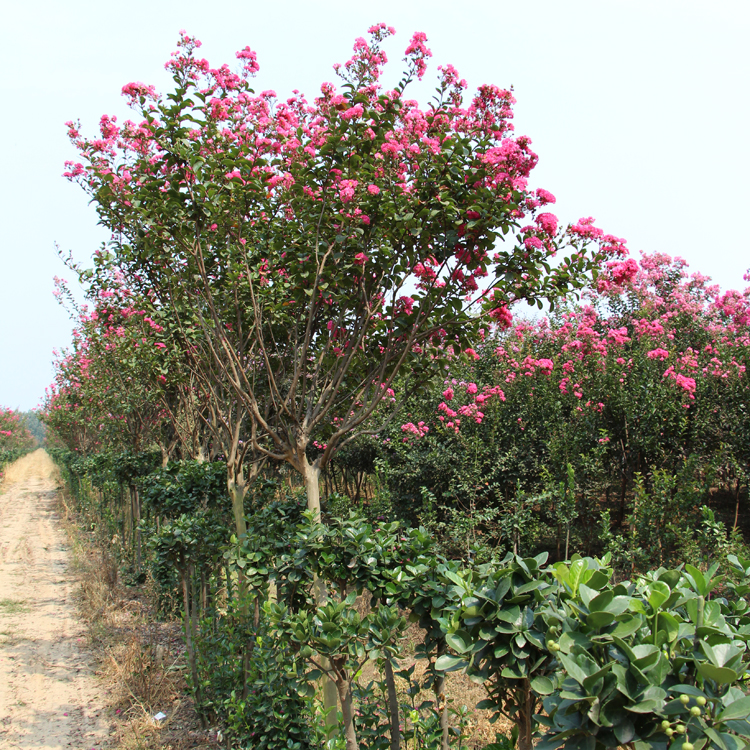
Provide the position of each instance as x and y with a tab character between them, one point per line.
623	271
585	228
250	60
548	223
419	430
442	406
137	89
349	114
502	316
346	190
404	305
533	242
545	196
546	365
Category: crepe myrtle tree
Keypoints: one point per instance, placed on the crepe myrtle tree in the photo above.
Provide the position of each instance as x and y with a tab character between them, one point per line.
321	249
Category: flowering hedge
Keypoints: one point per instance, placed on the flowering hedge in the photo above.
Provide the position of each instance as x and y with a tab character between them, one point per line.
645	378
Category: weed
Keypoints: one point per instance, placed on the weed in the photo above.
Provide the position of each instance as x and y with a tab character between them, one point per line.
13	606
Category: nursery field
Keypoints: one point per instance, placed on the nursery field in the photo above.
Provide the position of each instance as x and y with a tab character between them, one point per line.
306	424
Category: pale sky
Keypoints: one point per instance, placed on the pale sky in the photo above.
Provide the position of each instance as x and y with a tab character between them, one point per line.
638	111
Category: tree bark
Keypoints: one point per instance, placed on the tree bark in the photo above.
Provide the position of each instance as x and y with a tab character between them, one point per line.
442	706
390	682
441	701
184	574
736	504
237	488
524	718
312	487
345	695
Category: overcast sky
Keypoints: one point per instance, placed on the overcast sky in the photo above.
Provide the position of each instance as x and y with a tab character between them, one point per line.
638	111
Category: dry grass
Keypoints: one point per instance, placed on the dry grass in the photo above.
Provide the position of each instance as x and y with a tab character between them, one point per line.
140	658
459	689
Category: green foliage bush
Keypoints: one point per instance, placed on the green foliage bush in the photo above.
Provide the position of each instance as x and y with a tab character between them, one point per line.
607	661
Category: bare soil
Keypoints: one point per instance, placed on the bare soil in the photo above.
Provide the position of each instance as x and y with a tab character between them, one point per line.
48	690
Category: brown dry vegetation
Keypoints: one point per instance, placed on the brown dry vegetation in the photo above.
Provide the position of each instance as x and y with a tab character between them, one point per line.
140	658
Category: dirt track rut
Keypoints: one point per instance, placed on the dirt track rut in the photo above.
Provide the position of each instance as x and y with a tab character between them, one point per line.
48	694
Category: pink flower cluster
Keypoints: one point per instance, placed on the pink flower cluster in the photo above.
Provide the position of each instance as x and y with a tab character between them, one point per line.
418	430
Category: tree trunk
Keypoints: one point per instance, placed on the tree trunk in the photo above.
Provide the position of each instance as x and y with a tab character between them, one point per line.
194	621
312	487
390	682
237	488
442	702
623	493
345	695
524	718
184	574
229	583
736	504
137	515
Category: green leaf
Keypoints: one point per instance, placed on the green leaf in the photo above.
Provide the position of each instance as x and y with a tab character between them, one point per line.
572	668
739	727
645	656
720	675
645	707
715	738
460	641
599	619
624	731
669	625
696	577
587	595
448	663
590	682
542	685
627	626
602	602
740	709
658	593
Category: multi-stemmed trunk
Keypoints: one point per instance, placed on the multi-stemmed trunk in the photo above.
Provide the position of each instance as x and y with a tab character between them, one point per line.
135	511
190	627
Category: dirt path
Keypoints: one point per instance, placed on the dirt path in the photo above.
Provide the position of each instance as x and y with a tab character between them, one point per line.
47	688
